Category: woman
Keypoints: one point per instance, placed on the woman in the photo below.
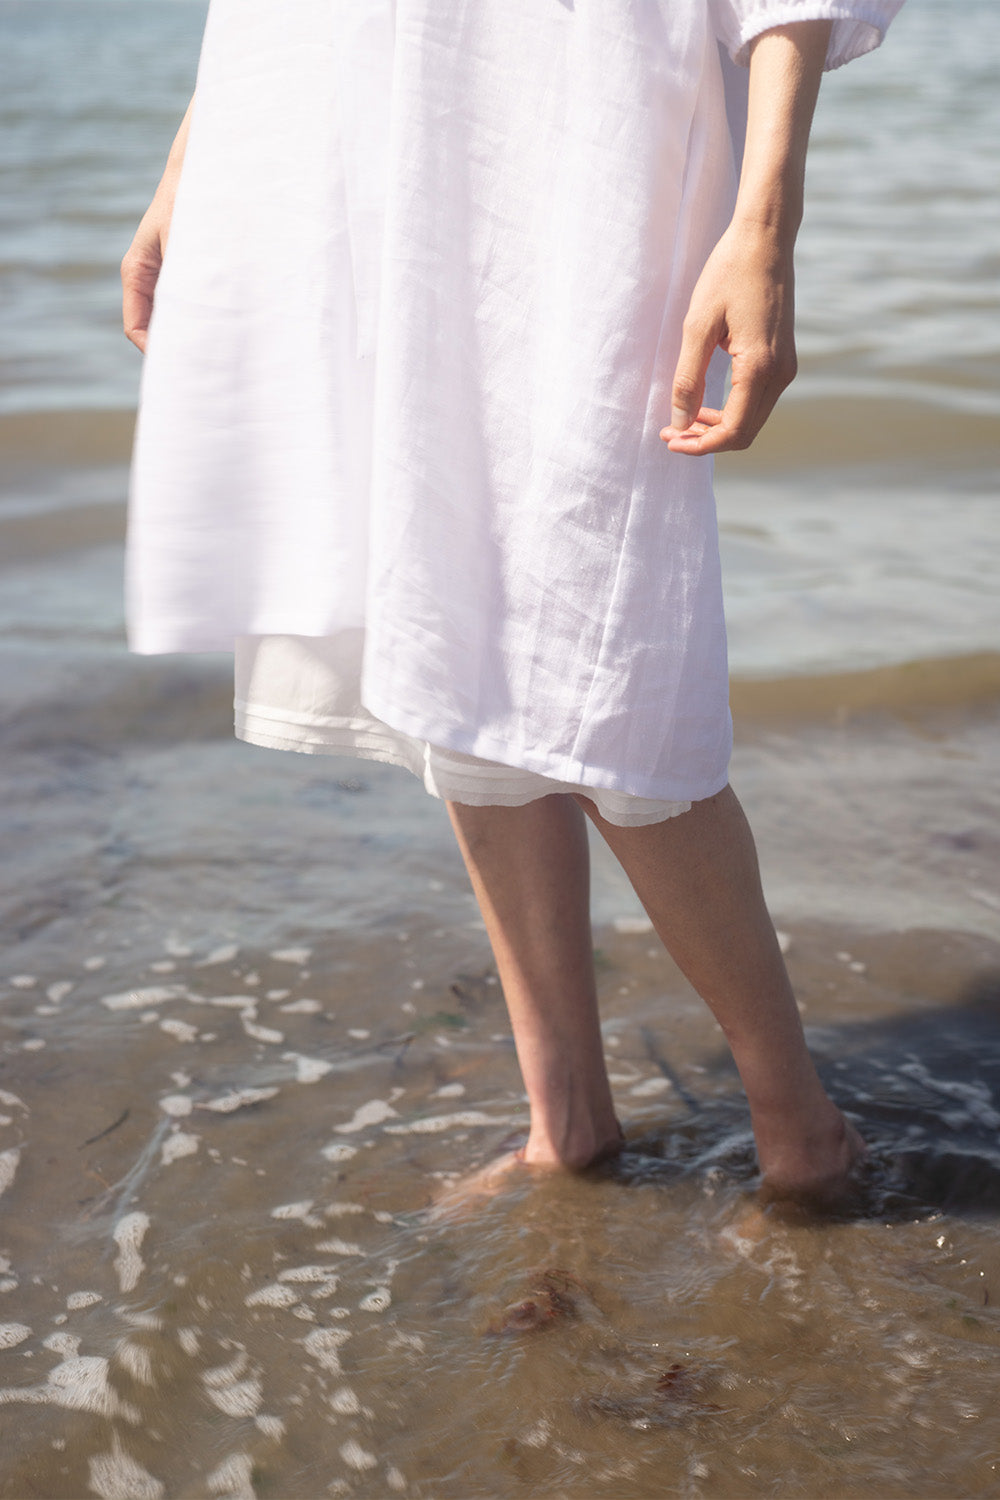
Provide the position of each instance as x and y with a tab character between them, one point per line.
438	273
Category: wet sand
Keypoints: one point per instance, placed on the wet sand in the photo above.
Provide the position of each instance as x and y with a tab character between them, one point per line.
251	1029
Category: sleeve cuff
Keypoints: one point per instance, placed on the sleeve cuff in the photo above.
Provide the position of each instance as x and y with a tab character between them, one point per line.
857	27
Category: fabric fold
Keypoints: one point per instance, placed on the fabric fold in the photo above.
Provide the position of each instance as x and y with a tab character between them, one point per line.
364	89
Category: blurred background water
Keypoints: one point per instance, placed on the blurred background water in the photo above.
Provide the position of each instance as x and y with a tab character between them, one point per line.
885	449
249	1022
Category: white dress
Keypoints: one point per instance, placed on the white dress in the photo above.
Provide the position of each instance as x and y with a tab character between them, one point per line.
410	355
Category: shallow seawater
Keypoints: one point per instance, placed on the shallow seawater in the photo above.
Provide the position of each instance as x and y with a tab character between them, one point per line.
228	1269
251	1038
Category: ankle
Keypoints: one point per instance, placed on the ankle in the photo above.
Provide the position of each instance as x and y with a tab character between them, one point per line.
810	1155
574	1149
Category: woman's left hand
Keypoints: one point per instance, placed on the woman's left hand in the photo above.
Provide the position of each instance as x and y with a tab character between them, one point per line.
743	302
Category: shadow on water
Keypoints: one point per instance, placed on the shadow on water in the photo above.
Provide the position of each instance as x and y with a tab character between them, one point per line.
923	1089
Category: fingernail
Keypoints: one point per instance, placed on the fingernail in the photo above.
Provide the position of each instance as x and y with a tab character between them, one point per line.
679	419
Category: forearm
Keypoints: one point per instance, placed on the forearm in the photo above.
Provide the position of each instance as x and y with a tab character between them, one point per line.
743	301
175	157
786	65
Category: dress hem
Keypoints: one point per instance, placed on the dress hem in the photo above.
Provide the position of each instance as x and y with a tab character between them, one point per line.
444	780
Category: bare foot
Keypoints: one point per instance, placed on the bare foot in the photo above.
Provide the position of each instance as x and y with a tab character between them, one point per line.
750	1227
779	1200
463	1195
820	1172
586	1150
458	1198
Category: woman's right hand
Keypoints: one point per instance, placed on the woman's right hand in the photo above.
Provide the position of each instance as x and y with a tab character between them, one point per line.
144	257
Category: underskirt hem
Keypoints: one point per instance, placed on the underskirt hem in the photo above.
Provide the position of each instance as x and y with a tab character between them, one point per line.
477	784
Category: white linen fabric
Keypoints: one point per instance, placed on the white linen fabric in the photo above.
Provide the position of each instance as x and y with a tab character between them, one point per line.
303	693
411	351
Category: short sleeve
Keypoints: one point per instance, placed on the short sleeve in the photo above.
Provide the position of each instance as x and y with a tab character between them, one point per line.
858	25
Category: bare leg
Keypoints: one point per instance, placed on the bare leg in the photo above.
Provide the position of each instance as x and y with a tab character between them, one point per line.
530	870
698	879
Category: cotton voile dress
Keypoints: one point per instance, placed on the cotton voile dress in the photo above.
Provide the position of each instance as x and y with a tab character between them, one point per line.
410	354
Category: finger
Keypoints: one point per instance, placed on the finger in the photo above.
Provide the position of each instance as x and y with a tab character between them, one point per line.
718	439
706	416
136	311
754	394
758	381
699	438
687	391
738	425
138	285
